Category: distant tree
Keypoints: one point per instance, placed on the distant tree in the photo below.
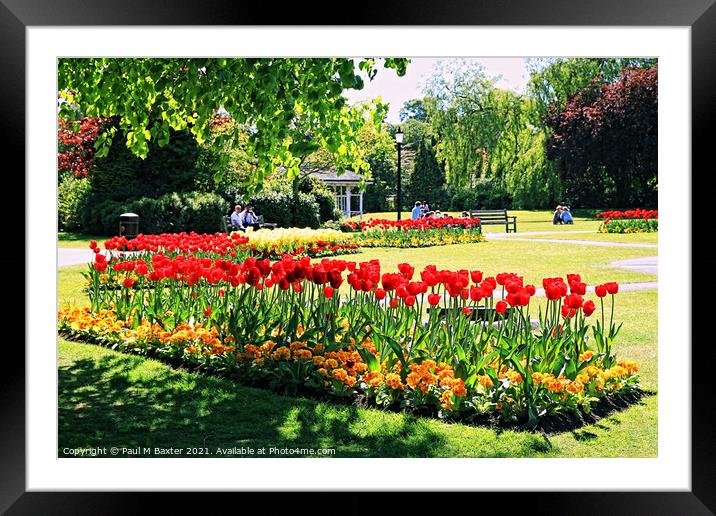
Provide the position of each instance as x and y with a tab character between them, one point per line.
415	132
414	110
604	141
427	179
379	152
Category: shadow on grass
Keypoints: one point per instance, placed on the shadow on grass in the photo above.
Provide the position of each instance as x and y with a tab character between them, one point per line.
127	401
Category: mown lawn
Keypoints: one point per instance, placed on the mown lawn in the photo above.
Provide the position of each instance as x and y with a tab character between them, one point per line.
533	260
110	399
77	240
106	398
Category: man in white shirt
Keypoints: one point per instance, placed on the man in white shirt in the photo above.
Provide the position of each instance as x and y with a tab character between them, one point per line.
236	218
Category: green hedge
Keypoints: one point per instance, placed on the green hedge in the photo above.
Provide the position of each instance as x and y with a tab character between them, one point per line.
326	205
286	210
72	197
171	213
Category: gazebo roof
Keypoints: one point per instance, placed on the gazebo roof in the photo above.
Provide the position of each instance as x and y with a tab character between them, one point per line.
332	177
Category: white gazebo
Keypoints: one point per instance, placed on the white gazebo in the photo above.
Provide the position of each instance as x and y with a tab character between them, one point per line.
349	198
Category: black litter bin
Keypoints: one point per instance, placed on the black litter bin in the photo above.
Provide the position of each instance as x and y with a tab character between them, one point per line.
128	225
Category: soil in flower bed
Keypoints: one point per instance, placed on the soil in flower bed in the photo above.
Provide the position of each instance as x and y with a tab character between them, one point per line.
548	424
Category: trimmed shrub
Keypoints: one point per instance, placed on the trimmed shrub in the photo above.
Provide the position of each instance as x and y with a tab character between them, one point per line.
274	206
72	195
286	210
171	213
326	204
306	211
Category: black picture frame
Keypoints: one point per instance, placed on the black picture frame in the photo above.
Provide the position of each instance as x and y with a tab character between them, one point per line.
699	15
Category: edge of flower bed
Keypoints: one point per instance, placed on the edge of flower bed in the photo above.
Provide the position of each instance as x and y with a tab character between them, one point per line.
548	425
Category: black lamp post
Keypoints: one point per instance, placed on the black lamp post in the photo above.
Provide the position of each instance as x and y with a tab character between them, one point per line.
399	141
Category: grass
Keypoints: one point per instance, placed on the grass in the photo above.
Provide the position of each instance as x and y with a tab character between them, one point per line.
107	397
518	256
77	240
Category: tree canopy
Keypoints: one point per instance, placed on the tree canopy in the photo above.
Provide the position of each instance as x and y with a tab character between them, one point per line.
604	141
289	107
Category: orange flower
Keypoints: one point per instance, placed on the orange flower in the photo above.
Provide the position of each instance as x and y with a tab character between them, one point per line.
446	400
485	381
413	379
575	387
282	353
629	365
339	374
302	354
586	356
393	380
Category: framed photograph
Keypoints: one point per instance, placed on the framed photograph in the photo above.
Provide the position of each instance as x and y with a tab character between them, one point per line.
430	245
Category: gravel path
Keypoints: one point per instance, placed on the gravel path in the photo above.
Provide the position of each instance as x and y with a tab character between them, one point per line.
586	242
647	264
518	235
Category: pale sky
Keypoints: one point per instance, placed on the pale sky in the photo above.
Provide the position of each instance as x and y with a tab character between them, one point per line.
396	90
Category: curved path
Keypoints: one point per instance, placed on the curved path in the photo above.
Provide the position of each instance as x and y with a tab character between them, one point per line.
518	236
646	264
72	256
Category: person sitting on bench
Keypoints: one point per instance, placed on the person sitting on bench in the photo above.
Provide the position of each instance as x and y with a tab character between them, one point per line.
249	219
236	219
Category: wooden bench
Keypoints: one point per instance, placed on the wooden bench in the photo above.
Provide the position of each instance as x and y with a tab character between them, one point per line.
495	217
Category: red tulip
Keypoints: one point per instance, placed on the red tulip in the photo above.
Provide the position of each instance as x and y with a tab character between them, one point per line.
407	270
612	287
552	292
568	312
380	293
588	308
394	302
475	294
433	299
573	301
476	276
600	290
573	277
128	282
328	292
500	307
410	300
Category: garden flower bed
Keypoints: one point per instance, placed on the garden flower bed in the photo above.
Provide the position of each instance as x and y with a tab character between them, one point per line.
424	232
300	241
630	221
261	244
350	331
